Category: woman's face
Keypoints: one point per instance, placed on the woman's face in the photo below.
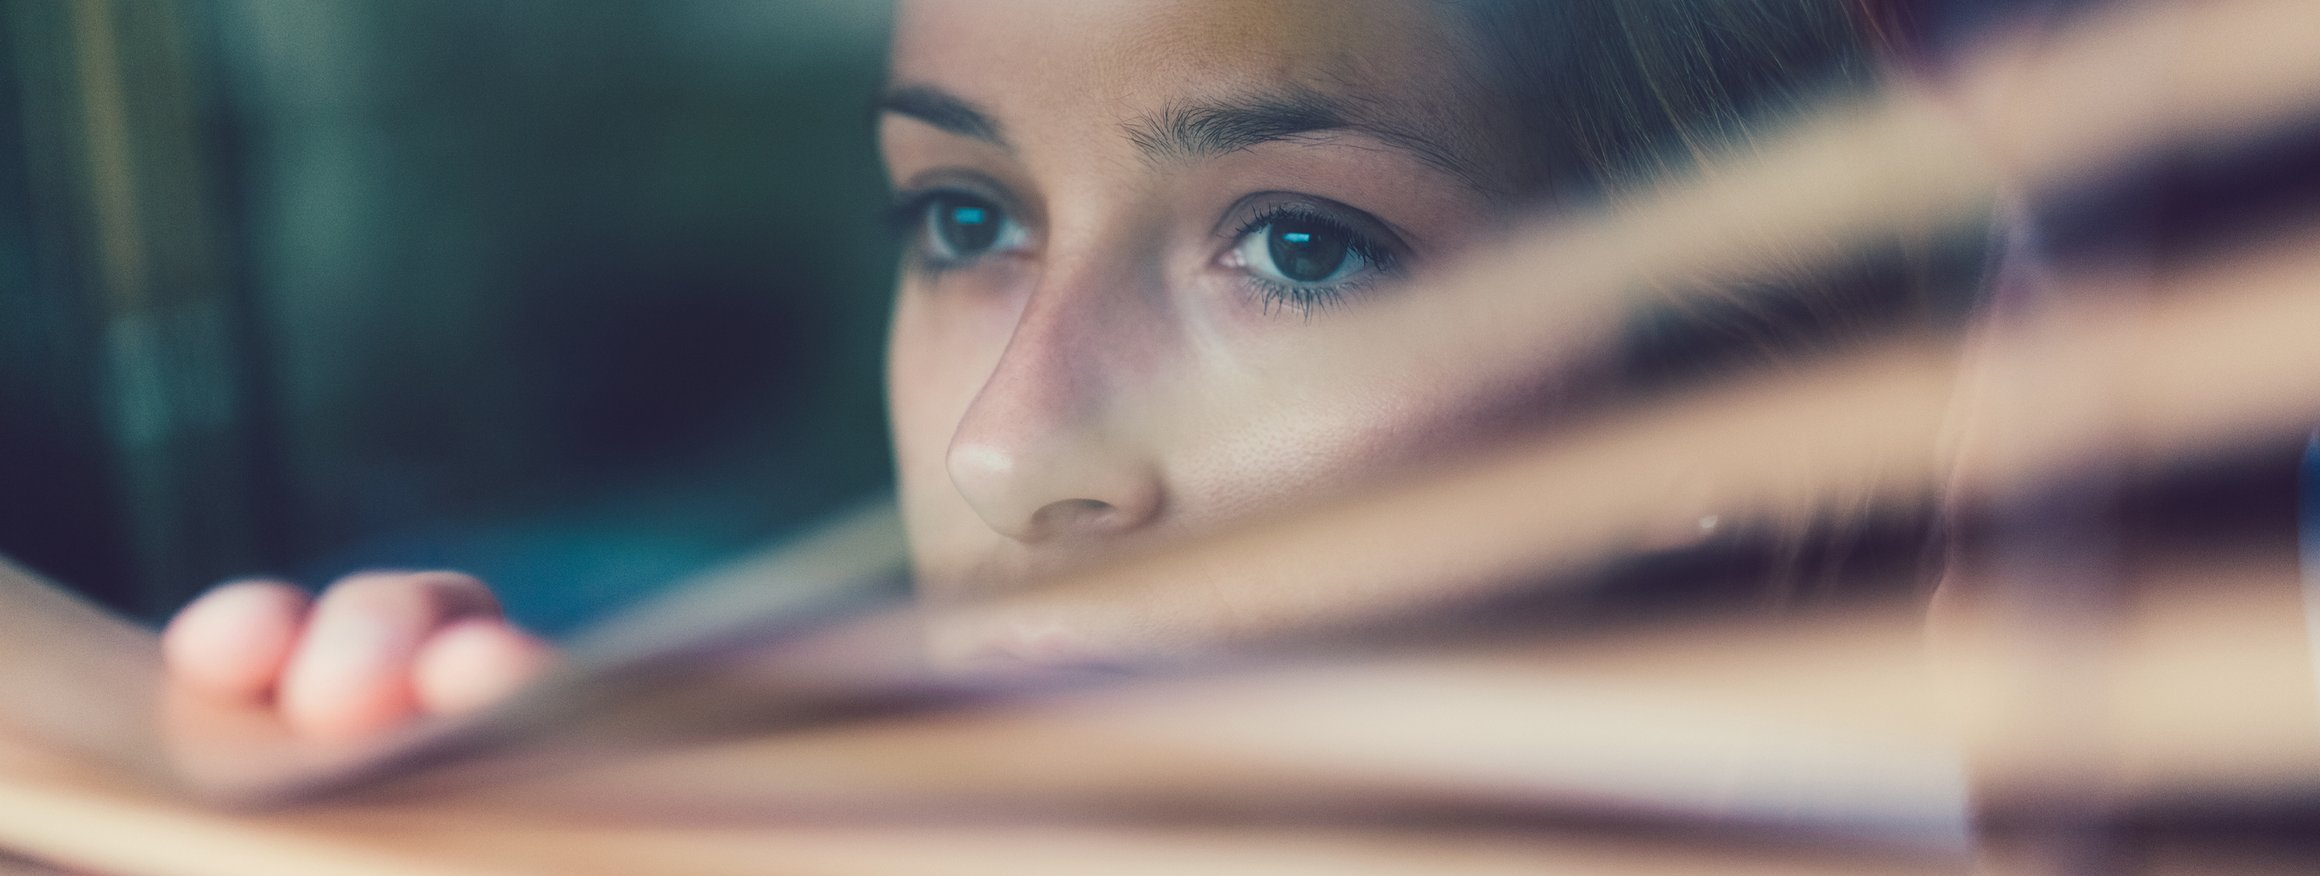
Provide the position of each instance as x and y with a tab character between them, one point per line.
1102	201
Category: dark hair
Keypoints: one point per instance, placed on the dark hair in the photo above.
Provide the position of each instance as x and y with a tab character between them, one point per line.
1605	95
1609	98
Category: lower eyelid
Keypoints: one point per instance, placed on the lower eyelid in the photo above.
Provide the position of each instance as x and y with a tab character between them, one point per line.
1273	296
917	258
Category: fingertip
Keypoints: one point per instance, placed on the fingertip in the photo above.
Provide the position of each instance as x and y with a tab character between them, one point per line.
351	673
475	663
434	596
347	680
234	641
457	594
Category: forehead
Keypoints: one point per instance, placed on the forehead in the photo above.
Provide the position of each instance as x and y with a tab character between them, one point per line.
1138	53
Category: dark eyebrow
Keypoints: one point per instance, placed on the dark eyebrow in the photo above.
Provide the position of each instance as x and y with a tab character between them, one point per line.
943	110
1209	128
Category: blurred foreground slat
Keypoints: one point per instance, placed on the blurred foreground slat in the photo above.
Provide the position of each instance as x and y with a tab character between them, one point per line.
1793	748
1862	740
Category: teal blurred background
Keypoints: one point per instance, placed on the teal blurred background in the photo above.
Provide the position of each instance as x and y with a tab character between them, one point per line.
581	296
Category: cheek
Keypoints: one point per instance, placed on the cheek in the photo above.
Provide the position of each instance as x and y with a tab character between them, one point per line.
922	395
939	353
1311	453
1296	432
942	347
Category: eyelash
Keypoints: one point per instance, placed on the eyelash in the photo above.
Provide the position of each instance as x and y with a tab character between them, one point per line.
1308	299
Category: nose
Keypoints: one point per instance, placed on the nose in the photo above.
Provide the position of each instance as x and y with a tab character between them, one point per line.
1038	454
1035	490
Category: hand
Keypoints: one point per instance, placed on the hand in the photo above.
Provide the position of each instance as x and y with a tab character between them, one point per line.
376	651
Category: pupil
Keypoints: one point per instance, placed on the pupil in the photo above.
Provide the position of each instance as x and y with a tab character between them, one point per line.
1306	252
966	228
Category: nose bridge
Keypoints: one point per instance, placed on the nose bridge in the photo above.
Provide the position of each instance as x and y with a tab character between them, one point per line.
1036	454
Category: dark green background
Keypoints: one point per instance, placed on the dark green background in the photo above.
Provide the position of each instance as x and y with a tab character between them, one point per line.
580	296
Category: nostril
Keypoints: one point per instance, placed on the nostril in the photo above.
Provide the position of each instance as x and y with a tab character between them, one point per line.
1032	490
1082	515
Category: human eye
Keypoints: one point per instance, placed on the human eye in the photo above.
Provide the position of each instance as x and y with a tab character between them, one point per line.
1308	257
950	228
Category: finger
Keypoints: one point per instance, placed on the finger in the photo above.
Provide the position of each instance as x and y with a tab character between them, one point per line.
351	672
474	663
233	641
